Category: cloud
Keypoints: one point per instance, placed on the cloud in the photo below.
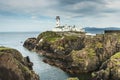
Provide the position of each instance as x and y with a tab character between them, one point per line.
26	6
65	8
86	12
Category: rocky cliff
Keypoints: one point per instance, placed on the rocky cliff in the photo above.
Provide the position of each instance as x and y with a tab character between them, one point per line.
76	53
14	67
110	69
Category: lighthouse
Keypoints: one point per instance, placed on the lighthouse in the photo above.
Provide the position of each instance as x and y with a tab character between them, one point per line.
57	21
63	28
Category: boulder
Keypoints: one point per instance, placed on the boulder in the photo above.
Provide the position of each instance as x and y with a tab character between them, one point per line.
30	43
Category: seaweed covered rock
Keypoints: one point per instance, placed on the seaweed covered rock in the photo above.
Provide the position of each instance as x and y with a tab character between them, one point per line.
14	67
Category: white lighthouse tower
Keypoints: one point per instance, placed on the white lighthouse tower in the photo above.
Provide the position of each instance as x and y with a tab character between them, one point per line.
57	21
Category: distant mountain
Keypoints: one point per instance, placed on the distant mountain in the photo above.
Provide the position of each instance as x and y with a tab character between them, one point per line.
95	30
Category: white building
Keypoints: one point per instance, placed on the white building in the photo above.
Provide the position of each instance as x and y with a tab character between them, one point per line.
60	28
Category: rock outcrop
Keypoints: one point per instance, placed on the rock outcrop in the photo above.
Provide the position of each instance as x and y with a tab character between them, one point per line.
14	67
76	53
30	43
110	69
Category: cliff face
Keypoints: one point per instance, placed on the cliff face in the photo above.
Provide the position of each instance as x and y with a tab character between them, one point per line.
110	69
75	52
14	67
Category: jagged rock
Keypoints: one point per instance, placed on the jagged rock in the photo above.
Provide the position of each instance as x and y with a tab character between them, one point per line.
14	67
30	43
110	70
77	52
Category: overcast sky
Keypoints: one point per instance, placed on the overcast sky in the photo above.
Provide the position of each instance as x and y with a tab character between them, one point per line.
39	15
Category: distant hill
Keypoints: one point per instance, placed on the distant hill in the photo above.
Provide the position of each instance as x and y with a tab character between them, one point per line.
95	30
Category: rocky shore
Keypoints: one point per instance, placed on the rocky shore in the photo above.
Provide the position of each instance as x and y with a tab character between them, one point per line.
13	66
77	53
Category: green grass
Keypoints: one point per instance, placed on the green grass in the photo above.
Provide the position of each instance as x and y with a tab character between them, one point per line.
52	39
4	48
71	37
49	36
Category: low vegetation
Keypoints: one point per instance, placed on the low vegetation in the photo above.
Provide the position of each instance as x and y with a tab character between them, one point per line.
49	36
73	78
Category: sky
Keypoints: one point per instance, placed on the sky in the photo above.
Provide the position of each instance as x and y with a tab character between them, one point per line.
39	15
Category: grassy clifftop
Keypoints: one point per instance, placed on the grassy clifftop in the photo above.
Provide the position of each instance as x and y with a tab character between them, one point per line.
49	36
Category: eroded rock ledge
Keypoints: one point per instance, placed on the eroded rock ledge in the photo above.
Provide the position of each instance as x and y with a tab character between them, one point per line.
77	53
14	67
